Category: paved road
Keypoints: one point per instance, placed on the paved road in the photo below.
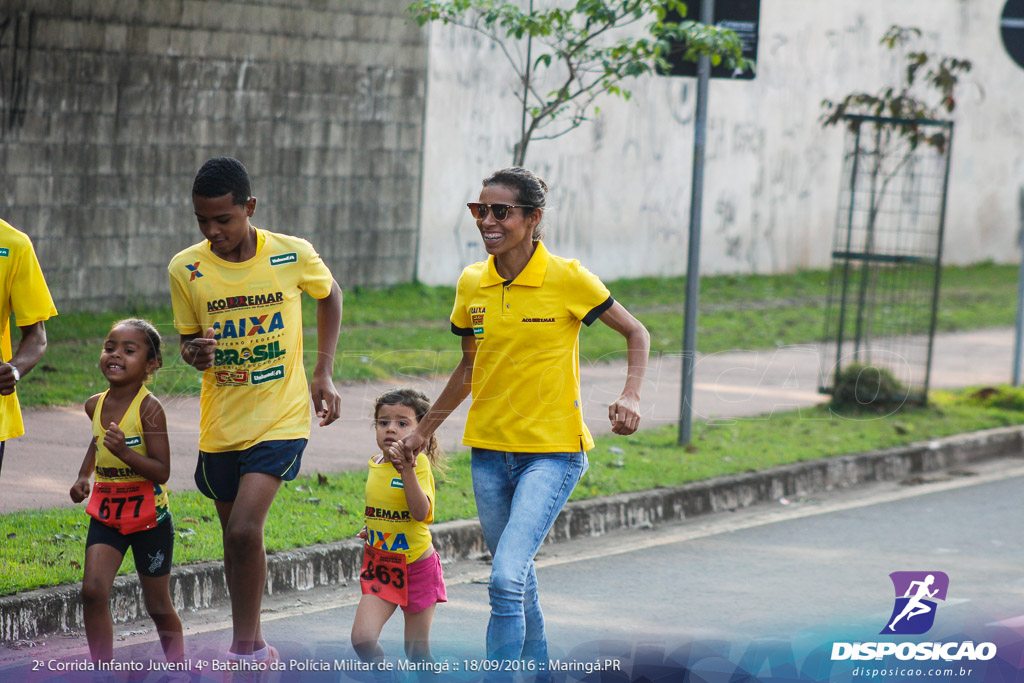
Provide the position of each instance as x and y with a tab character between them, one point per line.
769	588
40	467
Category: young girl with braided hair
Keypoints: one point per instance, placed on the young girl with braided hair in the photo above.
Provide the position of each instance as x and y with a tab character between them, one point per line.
130	456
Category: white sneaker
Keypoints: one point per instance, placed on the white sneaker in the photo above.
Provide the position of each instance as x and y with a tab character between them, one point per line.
241	670
270	675
272	655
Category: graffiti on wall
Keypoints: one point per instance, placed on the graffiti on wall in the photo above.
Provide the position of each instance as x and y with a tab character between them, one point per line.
15	50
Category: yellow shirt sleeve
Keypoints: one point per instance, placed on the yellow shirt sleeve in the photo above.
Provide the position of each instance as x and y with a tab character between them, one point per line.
586	296
316	277
185	320
461	321
30	297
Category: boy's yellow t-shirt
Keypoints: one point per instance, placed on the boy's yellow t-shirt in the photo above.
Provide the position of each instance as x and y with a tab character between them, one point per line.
25	295
257	389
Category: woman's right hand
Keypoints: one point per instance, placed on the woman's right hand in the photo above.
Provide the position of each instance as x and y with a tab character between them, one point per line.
406	449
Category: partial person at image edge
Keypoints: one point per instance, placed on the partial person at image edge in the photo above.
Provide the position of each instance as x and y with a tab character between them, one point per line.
26	295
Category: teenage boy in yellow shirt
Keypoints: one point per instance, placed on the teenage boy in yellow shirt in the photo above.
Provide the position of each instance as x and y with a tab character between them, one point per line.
236	298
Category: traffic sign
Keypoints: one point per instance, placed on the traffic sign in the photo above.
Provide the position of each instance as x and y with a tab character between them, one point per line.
742	16
1012	27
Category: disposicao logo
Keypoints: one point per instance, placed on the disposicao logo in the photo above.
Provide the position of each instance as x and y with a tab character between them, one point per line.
913	613
916	594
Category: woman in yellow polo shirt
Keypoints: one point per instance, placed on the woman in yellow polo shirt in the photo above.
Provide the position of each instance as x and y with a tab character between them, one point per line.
519	315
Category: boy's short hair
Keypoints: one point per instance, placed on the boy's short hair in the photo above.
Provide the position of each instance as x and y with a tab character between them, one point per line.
220	176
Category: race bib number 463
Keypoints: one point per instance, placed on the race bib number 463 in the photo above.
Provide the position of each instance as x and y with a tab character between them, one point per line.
384	575
126	506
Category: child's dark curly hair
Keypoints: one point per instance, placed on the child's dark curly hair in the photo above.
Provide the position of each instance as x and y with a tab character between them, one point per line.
418	401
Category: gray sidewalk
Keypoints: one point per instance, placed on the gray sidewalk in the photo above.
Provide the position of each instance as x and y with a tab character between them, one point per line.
40	467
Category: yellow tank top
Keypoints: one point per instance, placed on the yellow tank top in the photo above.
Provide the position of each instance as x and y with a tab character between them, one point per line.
111	468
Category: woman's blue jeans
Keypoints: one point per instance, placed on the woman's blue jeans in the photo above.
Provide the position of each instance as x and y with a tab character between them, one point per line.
518	497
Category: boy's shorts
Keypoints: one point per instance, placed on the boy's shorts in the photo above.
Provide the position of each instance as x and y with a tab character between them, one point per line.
153	549
218	474
426	584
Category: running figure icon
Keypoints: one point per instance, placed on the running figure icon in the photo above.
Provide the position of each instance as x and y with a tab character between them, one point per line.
916	595
914	606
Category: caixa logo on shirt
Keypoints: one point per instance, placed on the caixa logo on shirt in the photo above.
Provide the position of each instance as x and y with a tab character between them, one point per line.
476	314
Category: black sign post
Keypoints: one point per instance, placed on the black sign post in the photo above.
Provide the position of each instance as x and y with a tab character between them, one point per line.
689	359
743	17
1012	28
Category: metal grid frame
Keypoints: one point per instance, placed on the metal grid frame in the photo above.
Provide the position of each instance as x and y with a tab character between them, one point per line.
887	251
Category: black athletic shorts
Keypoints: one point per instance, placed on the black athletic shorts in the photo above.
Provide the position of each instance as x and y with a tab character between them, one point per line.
153	549
218	474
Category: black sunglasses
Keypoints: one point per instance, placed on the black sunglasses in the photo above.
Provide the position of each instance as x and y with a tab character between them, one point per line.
499	211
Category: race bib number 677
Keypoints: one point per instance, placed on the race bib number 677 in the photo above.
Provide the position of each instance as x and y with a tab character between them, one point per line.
126	506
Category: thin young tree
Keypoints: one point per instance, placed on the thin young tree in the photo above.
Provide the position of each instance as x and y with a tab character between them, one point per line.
566	58
890	126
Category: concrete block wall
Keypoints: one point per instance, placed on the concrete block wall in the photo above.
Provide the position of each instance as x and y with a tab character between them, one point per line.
620	184
108	108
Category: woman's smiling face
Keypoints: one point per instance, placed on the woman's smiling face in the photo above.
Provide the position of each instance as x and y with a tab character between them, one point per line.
515	233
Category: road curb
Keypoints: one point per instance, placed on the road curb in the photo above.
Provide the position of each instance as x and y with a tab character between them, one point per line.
199	586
